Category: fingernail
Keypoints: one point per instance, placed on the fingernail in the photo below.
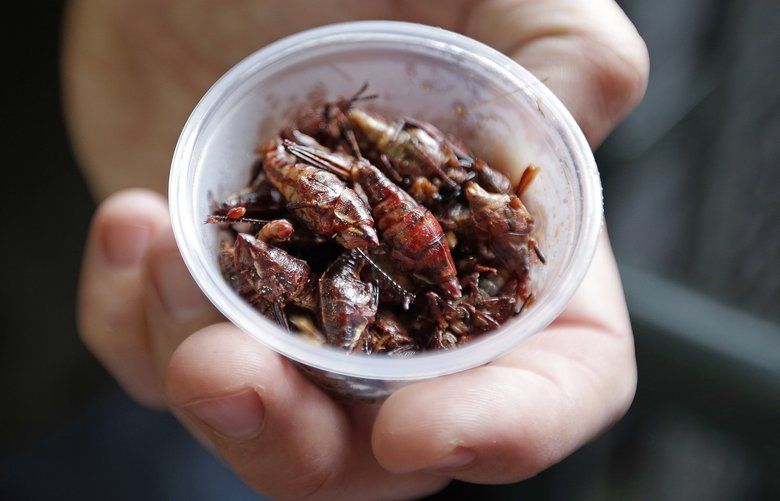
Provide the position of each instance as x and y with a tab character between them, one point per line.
458	458
124	244
238	416
179	297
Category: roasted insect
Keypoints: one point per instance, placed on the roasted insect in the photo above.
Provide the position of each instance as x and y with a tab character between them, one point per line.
414	235
409	148
326	123
506	224
404	239
268	276
320	199
348	303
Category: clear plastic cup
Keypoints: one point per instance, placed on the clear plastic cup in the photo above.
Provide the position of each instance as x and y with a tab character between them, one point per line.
464	87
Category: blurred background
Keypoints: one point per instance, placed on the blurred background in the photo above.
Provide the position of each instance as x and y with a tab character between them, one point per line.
692	187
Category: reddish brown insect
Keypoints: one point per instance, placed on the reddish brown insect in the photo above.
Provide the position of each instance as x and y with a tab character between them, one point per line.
326	123
408	147
275	277
347	303
414	235
320	199
506	224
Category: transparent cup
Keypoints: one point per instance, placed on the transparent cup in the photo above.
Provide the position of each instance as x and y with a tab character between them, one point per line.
462	86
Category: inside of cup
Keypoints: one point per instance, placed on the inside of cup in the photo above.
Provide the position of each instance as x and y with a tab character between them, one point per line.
508	125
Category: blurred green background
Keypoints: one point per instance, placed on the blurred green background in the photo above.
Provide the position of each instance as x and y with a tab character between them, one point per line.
692	189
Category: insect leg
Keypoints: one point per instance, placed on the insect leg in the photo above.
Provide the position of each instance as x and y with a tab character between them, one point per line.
389	169
213	219
529	174
534	245
408	297
280	316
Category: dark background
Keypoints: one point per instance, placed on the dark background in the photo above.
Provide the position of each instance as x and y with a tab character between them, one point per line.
692	189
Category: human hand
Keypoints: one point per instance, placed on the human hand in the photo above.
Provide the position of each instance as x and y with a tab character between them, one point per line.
145	319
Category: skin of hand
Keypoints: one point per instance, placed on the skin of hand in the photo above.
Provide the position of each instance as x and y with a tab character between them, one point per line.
134	70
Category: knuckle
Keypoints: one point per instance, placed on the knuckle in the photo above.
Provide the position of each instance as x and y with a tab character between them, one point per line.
622	69
132	202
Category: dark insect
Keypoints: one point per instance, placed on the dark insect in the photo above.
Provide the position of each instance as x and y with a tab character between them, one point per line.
406	148
267	276
348	303
326	123
505	223
409	147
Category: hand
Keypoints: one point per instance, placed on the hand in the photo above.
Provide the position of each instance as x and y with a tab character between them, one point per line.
144	318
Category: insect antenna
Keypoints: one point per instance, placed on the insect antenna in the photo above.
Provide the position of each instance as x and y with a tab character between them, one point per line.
317	158
399	126
408	297
523	88
358	96
390	170
352	140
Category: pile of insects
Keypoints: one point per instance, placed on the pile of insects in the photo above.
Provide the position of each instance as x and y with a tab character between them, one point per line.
377	236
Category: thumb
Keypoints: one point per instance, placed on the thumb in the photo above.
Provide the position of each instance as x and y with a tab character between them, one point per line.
586	51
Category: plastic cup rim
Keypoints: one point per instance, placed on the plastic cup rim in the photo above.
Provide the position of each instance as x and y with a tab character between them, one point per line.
425	365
